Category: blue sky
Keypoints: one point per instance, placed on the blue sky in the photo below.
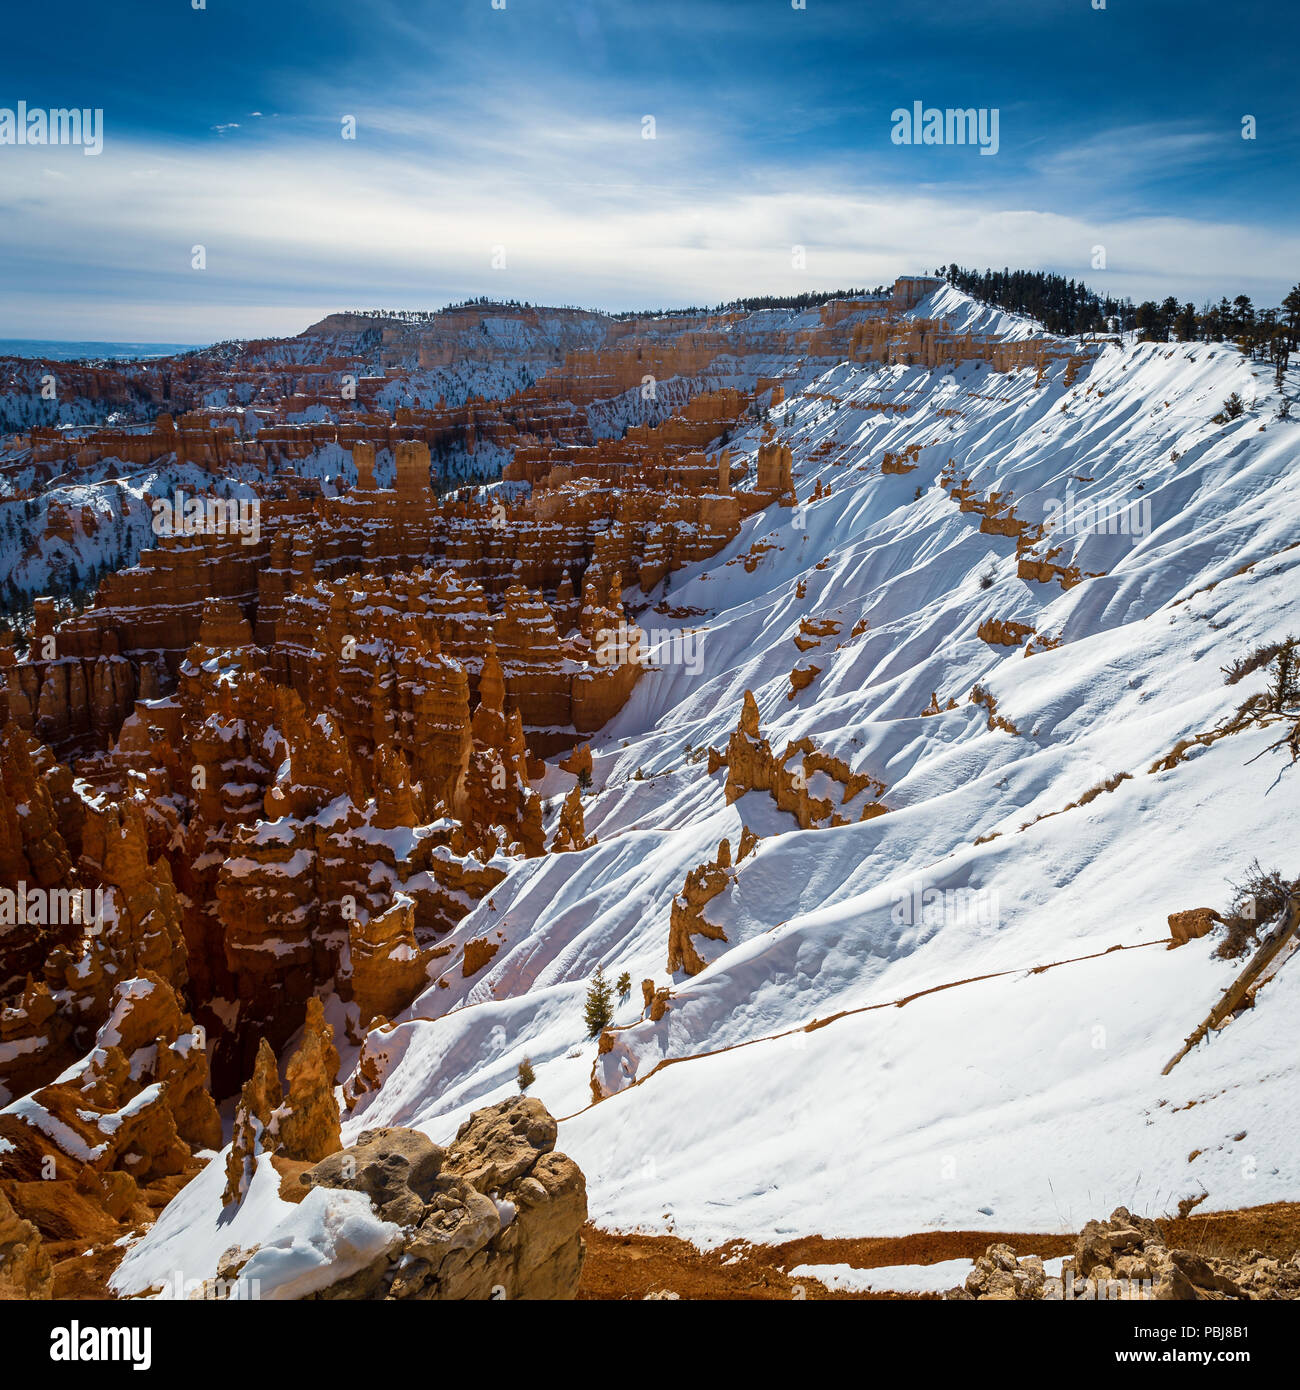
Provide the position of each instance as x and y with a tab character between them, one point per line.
515	135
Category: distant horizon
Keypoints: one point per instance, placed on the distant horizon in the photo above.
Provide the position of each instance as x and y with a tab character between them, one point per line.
469	301
119	348
107	342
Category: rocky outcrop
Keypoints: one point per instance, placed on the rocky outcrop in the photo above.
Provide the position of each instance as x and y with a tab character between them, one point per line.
801	678
578	762
25	1269
686	916
934	707
812	630
1004	633
308	1124
814	787
654	1002
496	787
1187	926
389	967
125	1122
478	953
1126	1258
571	833
33	851
138	1100
902	462
1043	569
259	1100
983	696
299	1124
497	1214
996	510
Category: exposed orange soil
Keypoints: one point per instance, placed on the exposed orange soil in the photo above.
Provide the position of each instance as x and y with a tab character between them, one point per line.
83	1267
632	1266
1273	1228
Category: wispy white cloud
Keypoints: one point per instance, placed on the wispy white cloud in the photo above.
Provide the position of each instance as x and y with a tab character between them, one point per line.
1151	149
409	214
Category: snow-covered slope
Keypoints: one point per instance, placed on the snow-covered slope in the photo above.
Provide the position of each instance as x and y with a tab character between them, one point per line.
112	521
985	1058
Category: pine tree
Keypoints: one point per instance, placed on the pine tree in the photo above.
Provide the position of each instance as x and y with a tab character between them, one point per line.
599	1010
1243	316
1285	690
584	779
1233	407
1279	353
1291	309
526	1074
624	985
1148	321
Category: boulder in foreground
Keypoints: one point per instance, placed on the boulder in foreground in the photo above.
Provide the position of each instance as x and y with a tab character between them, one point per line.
497	1214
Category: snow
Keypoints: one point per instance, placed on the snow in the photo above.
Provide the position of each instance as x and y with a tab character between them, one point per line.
31	1112
330	1235
123	516
976	1105
18	1046
195	1229
124	997
849	1064
111	1122
935	1278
